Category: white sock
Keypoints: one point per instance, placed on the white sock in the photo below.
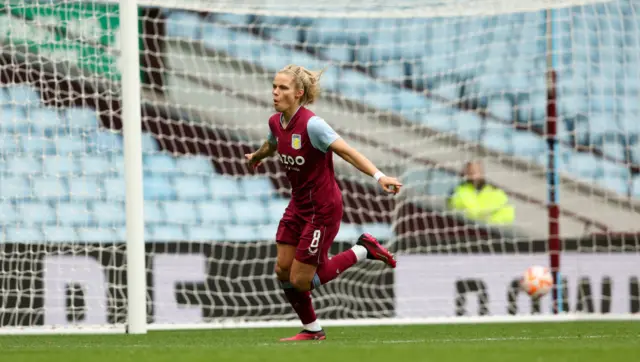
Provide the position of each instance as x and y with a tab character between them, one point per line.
313	326
360	251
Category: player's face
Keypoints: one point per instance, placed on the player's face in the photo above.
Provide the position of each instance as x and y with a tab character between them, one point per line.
285	93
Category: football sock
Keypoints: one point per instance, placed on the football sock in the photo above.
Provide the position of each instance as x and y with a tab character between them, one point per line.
301	303
333	267
313	327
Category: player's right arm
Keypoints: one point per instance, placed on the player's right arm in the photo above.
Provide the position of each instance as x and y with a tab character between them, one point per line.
267	149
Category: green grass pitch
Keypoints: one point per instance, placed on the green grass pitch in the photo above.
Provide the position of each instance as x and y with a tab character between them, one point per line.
540	342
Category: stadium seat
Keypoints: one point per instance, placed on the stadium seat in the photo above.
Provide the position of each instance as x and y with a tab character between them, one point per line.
105	142
441	183
224	188
49	188
13	120
61	166
266	232
246	46
22	234
60	234
498	138
276	209
231	18
206	233
73	213
23	165
159	163
600	124
194	165
273	57
249	212
93	165
381	231
36	213
149	143
92	235
256	187
501	108
9	144
162	233
410	101
380	99
469	125
82	189
527	144
449	91
636	186
8	213
81	118
438	122
109	213
238	233
618	184
182	24
23	95
38	145
180	212
583	165
114	188
14	188
349	233
213	212
634	149
45	119
158	188
191	188
393	71
614	146
153	213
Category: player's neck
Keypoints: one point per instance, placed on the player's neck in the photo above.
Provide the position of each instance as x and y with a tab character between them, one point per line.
288	114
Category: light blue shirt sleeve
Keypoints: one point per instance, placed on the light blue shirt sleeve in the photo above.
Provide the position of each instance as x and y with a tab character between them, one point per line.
272	140
320	133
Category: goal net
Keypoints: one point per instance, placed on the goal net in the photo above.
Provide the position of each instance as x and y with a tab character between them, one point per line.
419	87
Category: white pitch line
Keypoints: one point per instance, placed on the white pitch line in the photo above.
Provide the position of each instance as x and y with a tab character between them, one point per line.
490	339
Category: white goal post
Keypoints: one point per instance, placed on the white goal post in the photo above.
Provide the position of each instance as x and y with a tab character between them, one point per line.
126	204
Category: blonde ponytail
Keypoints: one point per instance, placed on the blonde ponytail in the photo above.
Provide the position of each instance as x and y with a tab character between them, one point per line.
307	80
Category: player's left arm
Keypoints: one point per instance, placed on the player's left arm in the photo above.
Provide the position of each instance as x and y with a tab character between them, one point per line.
324	138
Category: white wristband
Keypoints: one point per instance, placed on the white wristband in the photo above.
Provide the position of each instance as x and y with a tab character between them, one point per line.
378	175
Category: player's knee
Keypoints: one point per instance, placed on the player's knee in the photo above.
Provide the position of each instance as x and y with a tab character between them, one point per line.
300	282
282	272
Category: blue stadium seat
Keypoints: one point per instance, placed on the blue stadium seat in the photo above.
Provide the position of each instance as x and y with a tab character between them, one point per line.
13	120
532	111
634	149
23	95
449	91
153	213
600	124
180	212
205	233
114	188
381	231
614	147
338	52
49	188
161	233
410	101
349	233
105	142
469	125
159	163
9	144
45	119
636	186
81	189
629	124
256	187
611	169
491	83
224	188
240	233
23	165
501	108
441	183
14	188
109	213
4	97
149	143
438	122
583	165
618	184
182	24
8	213
528	144
327	30
61	166
267	232
36	213
274	57
249	212
246	46
158	188
60	234
81	118
383	100
38	145
214	212
191	188
96	165
498	138
91	235
21	234
73	214
194	165
231	18
393	71
276	209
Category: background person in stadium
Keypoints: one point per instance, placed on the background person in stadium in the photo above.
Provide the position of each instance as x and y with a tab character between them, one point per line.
479	200
306	143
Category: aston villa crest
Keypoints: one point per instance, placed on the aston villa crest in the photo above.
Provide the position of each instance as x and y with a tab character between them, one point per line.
296	142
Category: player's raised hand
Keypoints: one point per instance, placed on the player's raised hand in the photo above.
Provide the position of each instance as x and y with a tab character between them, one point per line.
254	162
390	184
